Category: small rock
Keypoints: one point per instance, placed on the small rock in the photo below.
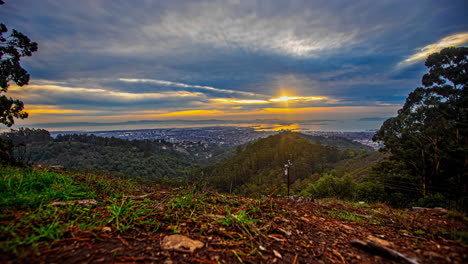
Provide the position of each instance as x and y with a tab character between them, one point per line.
296	198
418	209
361	202
439	211
181	243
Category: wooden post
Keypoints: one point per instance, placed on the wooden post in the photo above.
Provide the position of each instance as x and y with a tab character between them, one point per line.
286	172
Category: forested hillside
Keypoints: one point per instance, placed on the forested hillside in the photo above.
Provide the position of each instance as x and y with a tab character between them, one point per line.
144	159
259	168
338	142
148	159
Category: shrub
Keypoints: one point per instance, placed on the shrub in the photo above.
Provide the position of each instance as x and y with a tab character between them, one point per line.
331	186
370	192
433	200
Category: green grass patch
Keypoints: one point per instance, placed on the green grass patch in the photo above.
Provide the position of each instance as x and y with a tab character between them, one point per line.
28	219
44	225
30	188
461	236
346	215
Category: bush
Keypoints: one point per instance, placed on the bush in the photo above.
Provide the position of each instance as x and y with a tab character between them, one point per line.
370	192
432	200
331	186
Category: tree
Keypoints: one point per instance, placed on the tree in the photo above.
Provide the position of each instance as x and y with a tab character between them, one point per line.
12	48
430	133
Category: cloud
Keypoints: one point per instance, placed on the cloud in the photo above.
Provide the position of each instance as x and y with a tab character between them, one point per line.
238	101
187	86
290	30
127	61
423	53
96	97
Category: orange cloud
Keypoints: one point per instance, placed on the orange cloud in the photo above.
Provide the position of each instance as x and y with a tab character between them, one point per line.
61	111
50	109
191	113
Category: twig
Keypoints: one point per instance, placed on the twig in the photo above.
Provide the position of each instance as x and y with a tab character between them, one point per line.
381	250
295	259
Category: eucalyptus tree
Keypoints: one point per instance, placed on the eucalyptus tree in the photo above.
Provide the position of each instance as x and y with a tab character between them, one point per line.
430	133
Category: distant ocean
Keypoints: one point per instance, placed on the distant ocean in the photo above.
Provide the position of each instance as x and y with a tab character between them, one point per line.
369	124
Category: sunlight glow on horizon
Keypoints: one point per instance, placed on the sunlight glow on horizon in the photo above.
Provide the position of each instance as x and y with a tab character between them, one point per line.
283	107
296	98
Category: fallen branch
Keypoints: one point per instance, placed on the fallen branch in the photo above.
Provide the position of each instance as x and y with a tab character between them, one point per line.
377	248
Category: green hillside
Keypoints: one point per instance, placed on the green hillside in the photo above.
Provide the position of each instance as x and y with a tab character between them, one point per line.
143	158
338	142
359	164
259	167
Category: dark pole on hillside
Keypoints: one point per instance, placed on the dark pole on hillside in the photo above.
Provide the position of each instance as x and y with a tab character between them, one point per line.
286	172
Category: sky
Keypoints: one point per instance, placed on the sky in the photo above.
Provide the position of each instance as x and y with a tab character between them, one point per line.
312	61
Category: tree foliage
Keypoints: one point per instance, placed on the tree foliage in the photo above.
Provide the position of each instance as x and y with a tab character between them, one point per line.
259	168
145	159
12	48
429	136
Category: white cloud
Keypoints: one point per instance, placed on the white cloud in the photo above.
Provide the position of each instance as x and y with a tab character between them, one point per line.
423	53
302	33
188	86
57	94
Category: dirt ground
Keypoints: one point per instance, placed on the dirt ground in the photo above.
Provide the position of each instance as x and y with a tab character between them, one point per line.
274	230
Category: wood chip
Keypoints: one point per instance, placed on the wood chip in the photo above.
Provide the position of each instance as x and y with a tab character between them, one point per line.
338	254
277	254
106	229
378	240
277	237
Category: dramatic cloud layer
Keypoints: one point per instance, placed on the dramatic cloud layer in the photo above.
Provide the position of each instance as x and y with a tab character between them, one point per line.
117	61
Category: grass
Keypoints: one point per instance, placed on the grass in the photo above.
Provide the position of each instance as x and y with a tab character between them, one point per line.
457	235
346	215
26	187
28	219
